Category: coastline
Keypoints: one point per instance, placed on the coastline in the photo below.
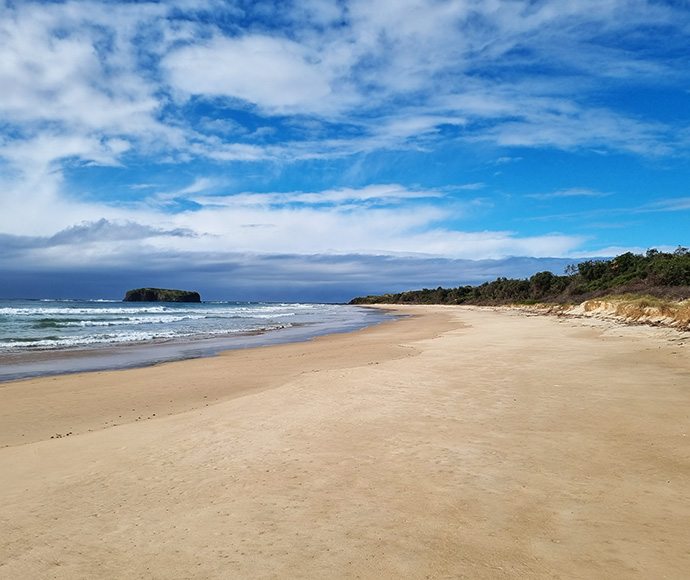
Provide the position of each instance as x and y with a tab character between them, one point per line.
21	365
455	442
74	402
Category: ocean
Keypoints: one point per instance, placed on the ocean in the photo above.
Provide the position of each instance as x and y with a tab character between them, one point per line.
48	337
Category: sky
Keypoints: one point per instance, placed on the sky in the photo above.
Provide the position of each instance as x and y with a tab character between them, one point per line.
324	149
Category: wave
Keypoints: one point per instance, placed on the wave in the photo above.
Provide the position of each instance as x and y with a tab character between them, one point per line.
78	311
44	325
129	337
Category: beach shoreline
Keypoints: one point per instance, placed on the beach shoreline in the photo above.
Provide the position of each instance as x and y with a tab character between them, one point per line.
454	442
43	362
71	401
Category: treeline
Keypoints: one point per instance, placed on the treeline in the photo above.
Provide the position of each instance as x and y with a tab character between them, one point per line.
657	273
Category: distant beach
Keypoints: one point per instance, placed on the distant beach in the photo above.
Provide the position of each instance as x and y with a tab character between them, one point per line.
456	442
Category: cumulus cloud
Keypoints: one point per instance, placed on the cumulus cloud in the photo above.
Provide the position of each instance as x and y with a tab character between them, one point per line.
104	73
106	231
273	73
59	64
334	231
90	232
72	87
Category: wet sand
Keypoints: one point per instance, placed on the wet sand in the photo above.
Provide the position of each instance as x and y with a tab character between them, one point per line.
457	443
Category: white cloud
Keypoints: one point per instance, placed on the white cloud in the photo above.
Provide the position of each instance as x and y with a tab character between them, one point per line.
72	86
200	184
52	70
90	69
571	192
319	12
591	128
677	204
374	220
379	219
389	193
401	128
612	251
491	245
435	53
220	151
40	151
274	73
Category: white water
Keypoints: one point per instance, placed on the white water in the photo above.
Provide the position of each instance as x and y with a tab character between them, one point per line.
43	337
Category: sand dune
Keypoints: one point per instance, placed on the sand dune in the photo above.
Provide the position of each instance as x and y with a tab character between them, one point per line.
458	443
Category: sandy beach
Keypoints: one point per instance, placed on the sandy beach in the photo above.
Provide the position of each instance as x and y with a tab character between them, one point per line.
456	443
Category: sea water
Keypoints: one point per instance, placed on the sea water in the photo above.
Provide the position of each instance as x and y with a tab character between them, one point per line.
43	337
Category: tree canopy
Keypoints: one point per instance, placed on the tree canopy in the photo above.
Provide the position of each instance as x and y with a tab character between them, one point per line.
656	273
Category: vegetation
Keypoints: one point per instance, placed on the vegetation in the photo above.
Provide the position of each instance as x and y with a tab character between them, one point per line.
161	295
655	274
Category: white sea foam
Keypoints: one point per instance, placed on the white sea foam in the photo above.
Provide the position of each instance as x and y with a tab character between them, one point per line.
39	325
33	333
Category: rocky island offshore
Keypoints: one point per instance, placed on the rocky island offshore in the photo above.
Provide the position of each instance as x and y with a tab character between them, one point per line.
161	295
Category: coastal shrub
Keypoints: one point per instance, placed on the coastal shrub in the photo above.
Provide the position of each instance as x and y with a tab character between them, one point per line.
655	271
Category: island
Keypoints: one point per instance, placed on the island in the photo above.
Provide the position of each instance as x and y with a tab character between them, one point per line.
161	295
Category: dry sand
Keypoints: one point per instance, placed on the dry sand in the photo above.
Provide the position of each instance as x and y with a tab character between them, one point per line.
458	443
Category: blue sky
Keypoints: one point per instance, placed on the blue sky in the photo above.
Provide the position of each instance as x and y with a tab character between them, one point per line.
322	149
